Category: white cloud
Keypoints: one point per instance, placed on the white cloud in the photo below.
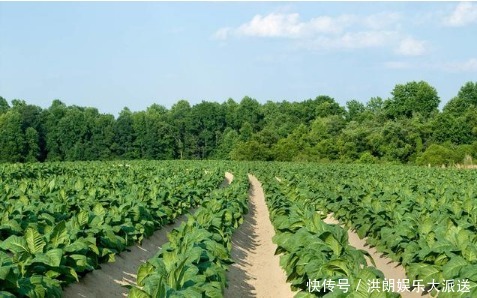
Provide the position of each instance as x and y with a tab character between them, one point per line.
272	25
411	47
465	13
222	33
466	66
353	40
289	25
368	39
345	31
329	25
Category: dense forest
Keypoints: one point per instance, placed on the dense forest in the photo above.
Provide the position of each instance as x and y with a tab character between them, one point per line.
408	127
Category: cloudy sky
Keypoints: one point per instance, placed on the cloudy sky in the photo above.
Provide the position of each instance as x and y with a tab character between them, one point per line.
112	55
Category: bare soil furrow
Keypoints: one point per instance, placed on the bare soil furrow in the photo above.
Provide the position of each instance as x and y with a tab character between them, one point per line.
257	272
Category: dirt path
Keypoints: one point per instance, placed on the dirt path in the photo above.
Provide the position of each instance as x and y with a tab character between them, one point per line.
228	179
107	281
257	272
391	269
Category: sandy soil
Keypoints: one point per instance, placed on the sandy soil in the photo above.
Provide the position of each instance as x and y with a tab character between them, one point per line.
229	177
257	272
391	269
107	281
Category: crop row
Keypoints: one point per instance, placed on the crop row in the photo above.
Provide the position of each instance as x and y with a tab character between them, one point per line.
64	220
316	256
425	219
194	261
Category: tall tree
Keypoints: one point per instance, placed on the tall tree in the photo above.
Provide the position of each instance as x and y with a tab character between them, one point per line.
180	118
249	110
327	106
4	106
412	97
354	110
465	99
124	136
53	133
12	139
31	143
228	141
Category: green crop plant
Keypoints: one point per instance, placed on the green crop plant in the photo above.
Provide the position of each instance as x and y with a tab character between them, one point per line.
59	221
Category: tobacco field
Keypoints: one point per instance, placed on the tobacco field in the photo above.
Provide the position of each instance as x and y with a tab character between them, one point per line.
60	221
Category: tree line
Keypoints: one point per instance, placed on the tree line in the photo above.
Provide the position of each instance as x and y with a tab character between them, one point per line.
407	127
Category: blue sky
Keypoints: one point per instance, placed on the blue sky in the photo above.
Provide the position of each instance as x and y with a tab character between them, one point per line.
111	55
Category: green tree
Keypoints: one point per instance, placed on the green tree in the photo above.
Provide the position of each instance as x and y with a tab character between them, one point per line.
468	92
124	136
246	132
53	133
437	155
180	118
412	97
355	110
232	120
327	106
447	127
249	110
4	106
465	99
207	124
12	139
159	137
101	134
250	150
282	118
352	141
32	147
294	147
228	141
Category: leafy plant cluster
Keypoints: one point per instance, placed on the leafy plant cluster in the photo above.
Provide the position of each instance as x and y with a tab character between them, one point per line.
313	250
60	221
194	261
424	218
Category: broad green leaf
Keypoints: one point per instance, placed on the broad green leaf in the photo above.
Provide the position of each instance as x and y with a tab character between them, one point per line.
213	289
59	235
333	243
469	272
137	293
79	246
453	267
170	258
82	218
34	240
79	184
51	258
82	262
52	184
15	244
339	264
425	272
143	271
99	210
470	253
